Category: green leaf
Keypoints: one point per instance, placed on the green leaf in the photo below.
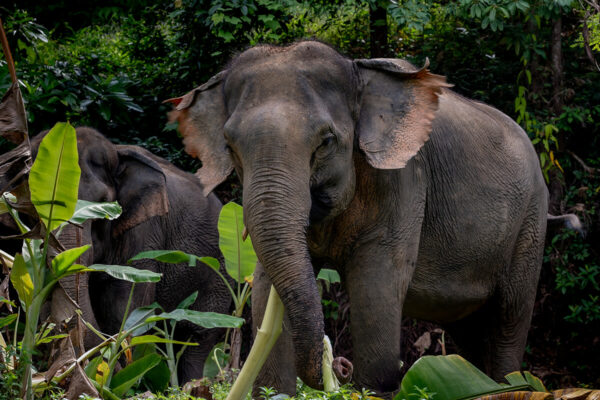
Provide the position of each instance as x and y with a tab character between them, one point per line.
157	379
129	375
54	176
129	274
166	256
329	275
188	301
451	378
139	315
211	262
217	357
203	319
85	210
64	260
48	339
8	320
92	367
240	258
156	339
21	280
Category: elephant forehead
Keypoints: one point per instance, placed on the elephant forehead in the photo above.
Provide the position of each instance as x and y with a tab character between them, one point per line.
276	70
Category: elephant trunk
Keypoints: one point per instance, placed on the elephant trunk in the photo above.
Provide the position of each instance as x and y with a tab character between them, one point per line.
276	210
76	286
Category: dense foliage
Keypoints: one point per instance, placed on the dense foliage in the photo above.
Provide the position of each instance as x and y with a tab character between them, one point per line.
111	64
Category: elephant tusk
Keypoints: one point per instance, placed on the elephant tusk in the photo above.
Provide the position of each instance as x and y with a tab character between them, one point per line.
245	234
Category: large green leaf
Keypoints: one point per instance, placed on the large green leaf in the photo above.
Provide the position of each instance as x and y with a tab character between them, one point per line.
54	176
129	274
64	260
22	282
240	258
204	319
129	375
450	378
85	210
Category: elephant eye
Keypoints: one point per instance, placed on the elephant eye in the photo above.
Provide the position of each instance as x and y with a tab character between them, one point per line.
327	141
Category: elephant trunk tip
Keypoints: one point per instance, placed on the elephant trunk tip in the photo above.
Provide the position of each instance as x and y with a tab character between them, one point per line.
343	369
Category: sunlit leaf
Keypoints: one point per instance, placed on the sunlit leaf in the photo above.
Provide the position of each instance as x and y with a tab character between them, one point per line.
54	176
8	320
129	274
240	258
21	280
64	260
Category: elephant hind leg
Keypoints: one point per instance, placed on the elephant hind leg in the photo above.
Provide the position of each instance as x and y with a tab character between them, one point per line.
494	337
515	298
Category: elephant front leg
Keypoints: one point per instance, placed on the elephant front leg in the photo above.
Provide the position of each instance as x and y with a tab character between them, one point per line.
377	283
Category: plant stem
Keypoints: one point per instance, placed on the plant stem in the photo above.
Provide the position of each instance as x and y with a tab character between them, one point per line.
266	336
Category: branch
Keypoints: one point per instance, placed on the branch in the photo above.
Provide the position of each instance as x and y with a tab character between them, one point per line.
586	168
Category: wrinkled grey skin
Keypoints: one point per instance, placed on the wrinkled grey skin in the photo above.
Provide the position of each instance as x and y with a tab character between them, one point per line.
163	209
429	204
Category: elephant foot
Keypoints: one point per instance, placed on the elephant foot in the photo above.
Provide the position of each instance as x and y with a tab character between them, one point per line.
342	368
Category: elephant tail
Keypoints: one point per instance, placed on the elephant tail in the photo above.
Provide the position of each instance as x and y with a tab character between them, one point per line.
569	221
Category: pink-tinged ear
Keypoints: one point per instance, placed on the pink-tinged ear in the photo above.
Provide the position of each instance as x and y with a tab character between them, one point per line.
201	115
397	107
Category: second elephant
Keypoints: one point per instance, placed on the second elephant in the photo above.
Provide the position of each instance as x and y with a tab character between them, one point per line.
163	209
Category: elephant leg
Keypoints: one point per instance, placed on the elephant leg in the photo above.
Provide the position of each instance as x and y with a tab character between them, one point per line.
212	297
279	371
377	282
516	299
191	363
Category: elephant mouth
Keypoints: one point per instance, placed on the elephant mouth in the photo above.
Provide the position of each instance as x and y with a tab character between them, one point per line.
321	205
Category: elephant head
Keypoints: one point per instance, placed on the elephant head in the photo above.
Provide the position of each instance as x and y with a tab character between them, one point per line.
125	174
292	121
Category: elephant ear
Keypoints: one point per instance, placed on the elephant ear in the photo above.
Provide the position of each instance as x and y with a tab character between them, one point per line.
201	116
141	188
397	107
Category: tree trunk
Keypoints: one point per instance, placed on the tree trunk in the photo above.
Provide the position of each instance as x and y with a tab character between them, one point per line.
557	65
378	30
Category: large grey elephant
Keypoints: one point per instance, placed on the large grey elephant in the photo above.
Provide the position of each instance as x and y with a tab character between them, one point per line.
429	204
163	208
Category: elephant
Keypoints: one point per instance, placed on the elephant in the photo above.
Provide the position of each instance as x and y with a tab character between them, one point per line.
428	204
163	209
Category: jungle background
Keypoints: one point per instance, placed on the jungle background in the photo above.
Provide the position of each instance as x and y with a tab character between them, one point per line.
110	64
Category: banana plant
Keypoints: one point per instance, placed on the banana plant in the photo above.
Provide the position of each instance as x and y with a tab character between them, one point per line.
240	262
132	333
53	185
